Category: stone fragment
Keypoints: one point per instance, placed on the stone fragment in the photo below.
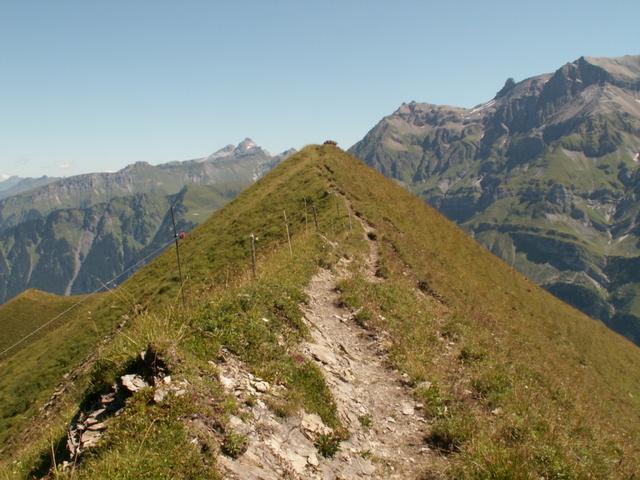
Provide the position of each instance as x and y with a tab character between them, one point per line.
426	385
261	386
298	462
312	424
313	460
107	398
97	426
322	354
133	382
227	382
97	412
90	438
407	409
159	395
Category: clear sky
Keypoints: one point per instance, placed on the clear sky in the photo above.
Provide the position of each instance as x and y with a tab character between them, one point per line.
94	85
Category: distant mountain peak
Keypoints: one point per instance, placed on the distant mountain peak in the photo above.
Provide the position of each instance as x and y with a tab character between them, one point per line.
246	145
509	84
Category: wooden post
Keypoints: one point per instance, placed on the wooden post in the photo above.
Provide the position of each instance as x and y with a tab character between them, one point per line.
253	254
349	212
286	226
176	238
315	217
335	197
306	221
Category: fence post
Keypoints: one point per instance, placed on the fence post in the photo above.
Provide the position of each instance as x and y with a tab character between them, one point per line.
315	217
286	225
346	204
176	238
306	221
253	254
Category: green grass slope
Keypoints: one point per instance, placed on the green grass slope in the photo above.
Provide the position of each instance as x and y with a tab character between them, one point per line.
29	311
515	384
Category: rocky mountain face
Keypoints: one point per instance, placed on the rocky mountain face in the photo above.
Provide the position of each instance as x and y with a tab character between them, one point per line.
545	175
73	234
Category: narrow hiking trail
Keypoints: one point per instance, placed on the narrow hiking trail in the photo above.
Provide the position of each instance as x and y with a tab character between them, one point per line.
366	388
374	403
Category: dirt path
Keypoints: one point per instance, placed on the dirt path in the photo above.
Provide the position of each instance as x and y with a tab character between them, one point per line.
387	431
366	389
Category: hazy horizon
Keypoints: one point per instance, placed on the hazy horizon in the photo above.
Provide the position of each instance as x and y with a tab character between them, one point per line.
93	87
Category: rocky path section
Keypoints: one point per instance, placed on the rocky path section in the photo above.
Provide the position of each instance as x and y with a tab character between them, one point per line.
387	431
374	404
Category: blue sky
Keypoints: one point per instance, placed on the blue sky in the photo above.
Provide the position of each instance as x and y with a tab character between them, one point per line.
92	86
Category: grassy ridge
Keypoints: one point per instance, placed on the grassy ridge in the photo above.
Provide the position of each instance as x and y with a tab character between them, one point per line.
216	261
520	384
567	387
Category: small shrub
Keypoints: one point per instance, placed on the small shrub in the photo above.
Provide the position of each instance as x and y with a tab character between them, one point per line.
281	407
365	420
362	317
471	353
551	463
366	454
492	385
452	330
328	444
448	434
382	270
234	445
434	403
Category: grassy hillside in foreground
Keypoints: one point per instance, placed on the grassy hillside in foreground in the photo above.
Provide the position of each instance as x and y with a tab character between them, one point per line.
515	383
28	311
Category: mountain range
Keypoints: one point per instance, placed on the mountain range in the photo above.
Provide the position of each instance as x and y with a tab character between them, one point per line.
71	235
545	175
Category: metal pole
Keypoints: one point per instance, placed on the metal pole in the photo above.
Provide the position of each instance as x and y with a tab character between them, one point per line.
176	238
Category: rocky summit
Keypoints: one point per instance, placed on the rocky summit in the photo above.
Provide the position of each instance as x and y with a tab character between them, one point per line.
545	175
